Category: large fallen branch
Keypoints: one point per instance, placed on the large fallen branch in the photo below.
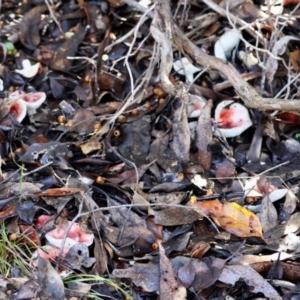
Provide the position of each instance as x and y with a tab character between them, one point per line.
166	32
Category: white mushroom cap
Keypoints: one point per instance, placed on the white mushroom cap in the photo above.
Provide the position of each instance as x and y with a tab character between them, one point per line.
231	119
28	70
184	67
19	110
226	43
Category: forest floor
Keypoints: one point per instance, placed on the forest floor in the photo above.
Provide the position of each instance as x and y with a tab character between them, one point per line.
149	149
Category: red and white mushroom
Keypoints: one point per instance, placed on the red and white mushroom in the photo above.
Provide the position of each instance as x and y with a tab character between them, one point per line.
54	239
25	103
18	110
74	235
231	119
34	101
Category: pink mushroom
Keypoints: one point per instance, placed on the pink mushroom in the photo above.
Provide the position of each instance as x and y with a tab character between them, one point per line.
26	103
34	101
75	235
195	106
42	220
231	119
54	238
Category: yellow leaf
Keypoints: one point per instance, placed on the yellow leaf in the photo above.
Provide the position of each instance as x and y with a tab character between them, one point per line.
231	217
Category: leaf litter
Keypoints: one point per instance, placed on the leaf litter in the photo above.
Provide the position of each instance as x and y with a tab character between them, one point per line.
149	150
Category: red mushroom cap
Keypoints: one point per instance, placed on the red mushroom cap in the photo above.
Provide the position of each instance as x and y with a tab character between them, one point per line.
231	119
18	110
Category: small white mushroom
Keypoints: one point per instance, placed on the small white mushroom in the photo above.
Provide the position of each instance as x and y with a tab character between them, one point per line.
184	67
28	70
231	119
248	59
17	95
18	110
226	43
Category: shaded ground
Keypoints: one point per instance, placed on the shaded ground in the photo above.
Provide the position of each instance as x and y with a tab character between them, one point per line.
162	158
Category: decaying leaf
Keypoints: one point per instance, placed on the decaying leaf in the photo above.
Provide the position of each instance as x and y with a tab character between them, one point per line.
145	276
204	136
45	153
172	216
29	27
84	121
177	243
290	202
206	271
59	192
26	211
225	171
291	226
268	216
181	139
231	274
49	280
278	49
90	146
136	140
169	286
60	59
186	274
295	60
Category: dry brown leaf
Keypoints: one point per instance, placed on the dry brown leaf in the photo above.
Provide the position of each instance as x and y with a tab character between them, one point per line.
295	60
232	274
169	287
59	192
181	140
268	216
278	49
225	171
90	146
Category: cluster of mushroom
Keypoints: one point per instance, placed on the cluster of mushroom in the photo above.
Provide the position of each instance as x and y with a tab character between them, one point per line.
230	119
26	103
55	242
